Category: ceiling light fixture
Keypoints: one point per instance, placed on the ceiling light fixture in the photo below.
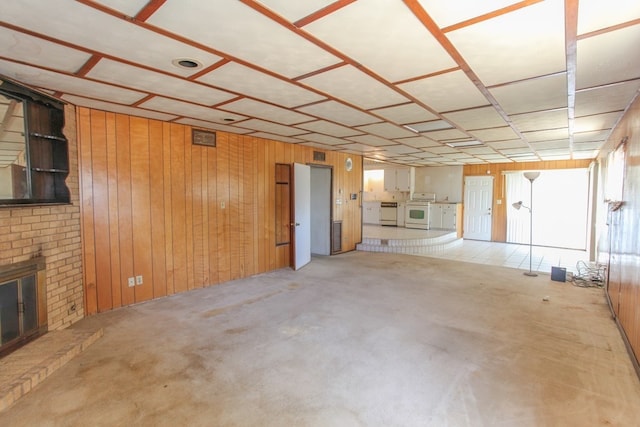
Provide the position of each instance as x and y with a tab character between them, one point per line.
410	128
462	144
186	63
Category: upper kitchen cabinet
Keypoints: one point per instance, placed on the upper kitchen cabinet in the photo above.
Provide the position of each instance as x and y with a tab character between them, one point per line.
399	179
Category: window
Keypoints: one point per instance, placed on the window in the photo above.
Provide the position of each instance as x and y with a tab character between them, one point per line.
34	160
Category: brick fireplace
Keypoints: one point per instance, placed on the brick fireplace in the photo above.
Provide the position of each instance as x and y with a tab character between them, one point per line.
50	234
23	303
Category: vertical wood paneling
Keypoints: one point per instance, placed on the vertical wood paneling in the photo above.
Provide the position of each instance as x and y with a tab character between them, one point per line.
83	119
212	203
178	209
141	208
198	217
114	229
152	205
223	177
188	182
168	207
123	159
101	209
157	192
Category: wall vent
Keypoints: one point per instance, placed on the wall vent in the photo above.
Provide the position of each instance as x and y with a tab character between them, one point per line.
319	156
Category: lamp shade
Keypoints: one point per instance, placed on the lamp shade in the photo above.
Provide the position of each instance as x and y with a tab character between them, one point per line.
531	176
517	205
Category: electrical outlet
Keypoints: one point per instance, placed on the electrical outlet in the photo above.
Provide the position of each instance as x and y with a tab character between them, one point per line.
131	281
222	205
138	280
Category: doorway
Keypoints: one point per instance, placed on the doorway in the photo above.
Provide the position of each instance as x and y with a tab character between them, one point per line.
478	201
320	210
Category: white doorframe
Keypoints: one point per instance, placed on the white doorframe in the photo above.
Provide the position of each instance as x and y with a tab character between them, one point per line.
478	203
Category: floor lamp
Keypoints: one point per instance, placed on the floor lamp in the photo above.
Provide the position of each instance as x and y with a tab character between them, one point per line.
531	176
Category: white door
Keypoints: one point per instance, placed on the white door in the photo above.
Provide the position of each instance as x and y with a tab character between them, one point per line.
478	200
301	215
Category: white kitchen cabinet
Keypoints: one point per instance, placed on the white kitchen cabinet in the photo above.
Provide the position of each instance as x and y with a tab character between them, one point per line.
435	215
399	179
371	213
443	216
449	213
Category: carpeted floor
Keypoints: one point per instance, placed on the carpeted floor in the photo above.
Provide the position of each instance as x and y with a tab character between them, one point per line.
360	339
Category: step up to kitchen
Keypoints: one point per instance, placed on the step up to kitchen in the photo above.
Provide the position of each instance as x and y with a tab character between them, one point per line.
426	245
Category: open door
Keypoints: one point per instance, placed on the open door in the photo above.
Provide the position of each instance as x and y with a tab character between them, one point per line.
301	215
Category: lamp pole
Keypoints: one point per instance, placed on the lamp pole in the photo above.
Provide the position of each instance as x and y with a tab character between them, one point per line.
531	176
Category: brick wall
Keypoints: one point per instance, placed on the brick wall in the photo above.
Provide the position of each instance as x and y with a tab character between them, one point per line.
53	232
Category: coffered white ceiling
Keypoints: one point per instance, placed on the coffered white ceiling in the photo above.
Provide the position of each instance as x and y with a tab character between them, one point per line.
417	82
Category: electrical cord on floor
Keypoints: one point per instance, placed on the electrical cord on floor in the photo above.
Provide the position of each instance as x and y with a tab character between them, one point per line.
589	276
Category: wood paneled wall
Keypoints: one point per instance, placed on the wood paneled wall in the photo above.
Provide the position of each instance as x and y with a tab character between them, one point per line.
184	216
622	239
499	220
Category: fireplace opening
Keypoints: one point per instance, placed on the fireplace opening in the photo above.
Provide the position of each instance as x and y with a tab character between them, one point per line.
23	304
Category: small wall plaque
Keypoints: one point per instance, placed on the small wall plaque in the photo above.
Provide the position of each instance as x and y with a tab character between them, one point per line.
204	137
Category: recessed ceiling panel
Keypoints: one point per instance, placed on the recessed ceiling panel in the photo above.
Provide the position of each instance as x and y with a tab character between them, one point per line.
581	146
328	128
429	126
186	109
214	126
357	30
479	150
362	148
241	79
444	14
269	127
609	57
477	118
375	141
503	145
23	47
261	110
117	108
320	146
599	135
353	86
128	7
495	134
596	122
63	83
525	43
274	137
443	149
554	144
386	130
445	135
400	149
597	14
295	10
446	92
157	83
85	26
407	113
541	120
324	139
532	95
546	135
339	113
605	99
418	142
233	27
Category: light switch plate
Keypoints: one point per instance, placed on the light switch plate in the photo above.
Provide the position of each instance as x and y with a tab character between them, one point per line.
131	281
138	280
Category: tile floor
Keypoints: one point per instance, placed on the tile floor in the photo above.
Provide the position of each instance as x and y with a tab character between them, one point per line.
491	253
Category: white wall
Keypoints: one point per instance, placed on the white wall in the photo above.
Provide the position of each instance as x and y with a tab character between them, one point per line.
374	188
6	187
445	181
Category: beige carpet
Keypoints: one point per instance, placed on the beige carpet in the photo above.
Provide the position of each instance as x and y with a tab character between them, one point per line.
360	339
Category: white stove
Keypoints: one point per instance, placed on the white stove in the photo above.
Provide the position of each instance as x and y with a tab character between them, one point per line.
417	210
